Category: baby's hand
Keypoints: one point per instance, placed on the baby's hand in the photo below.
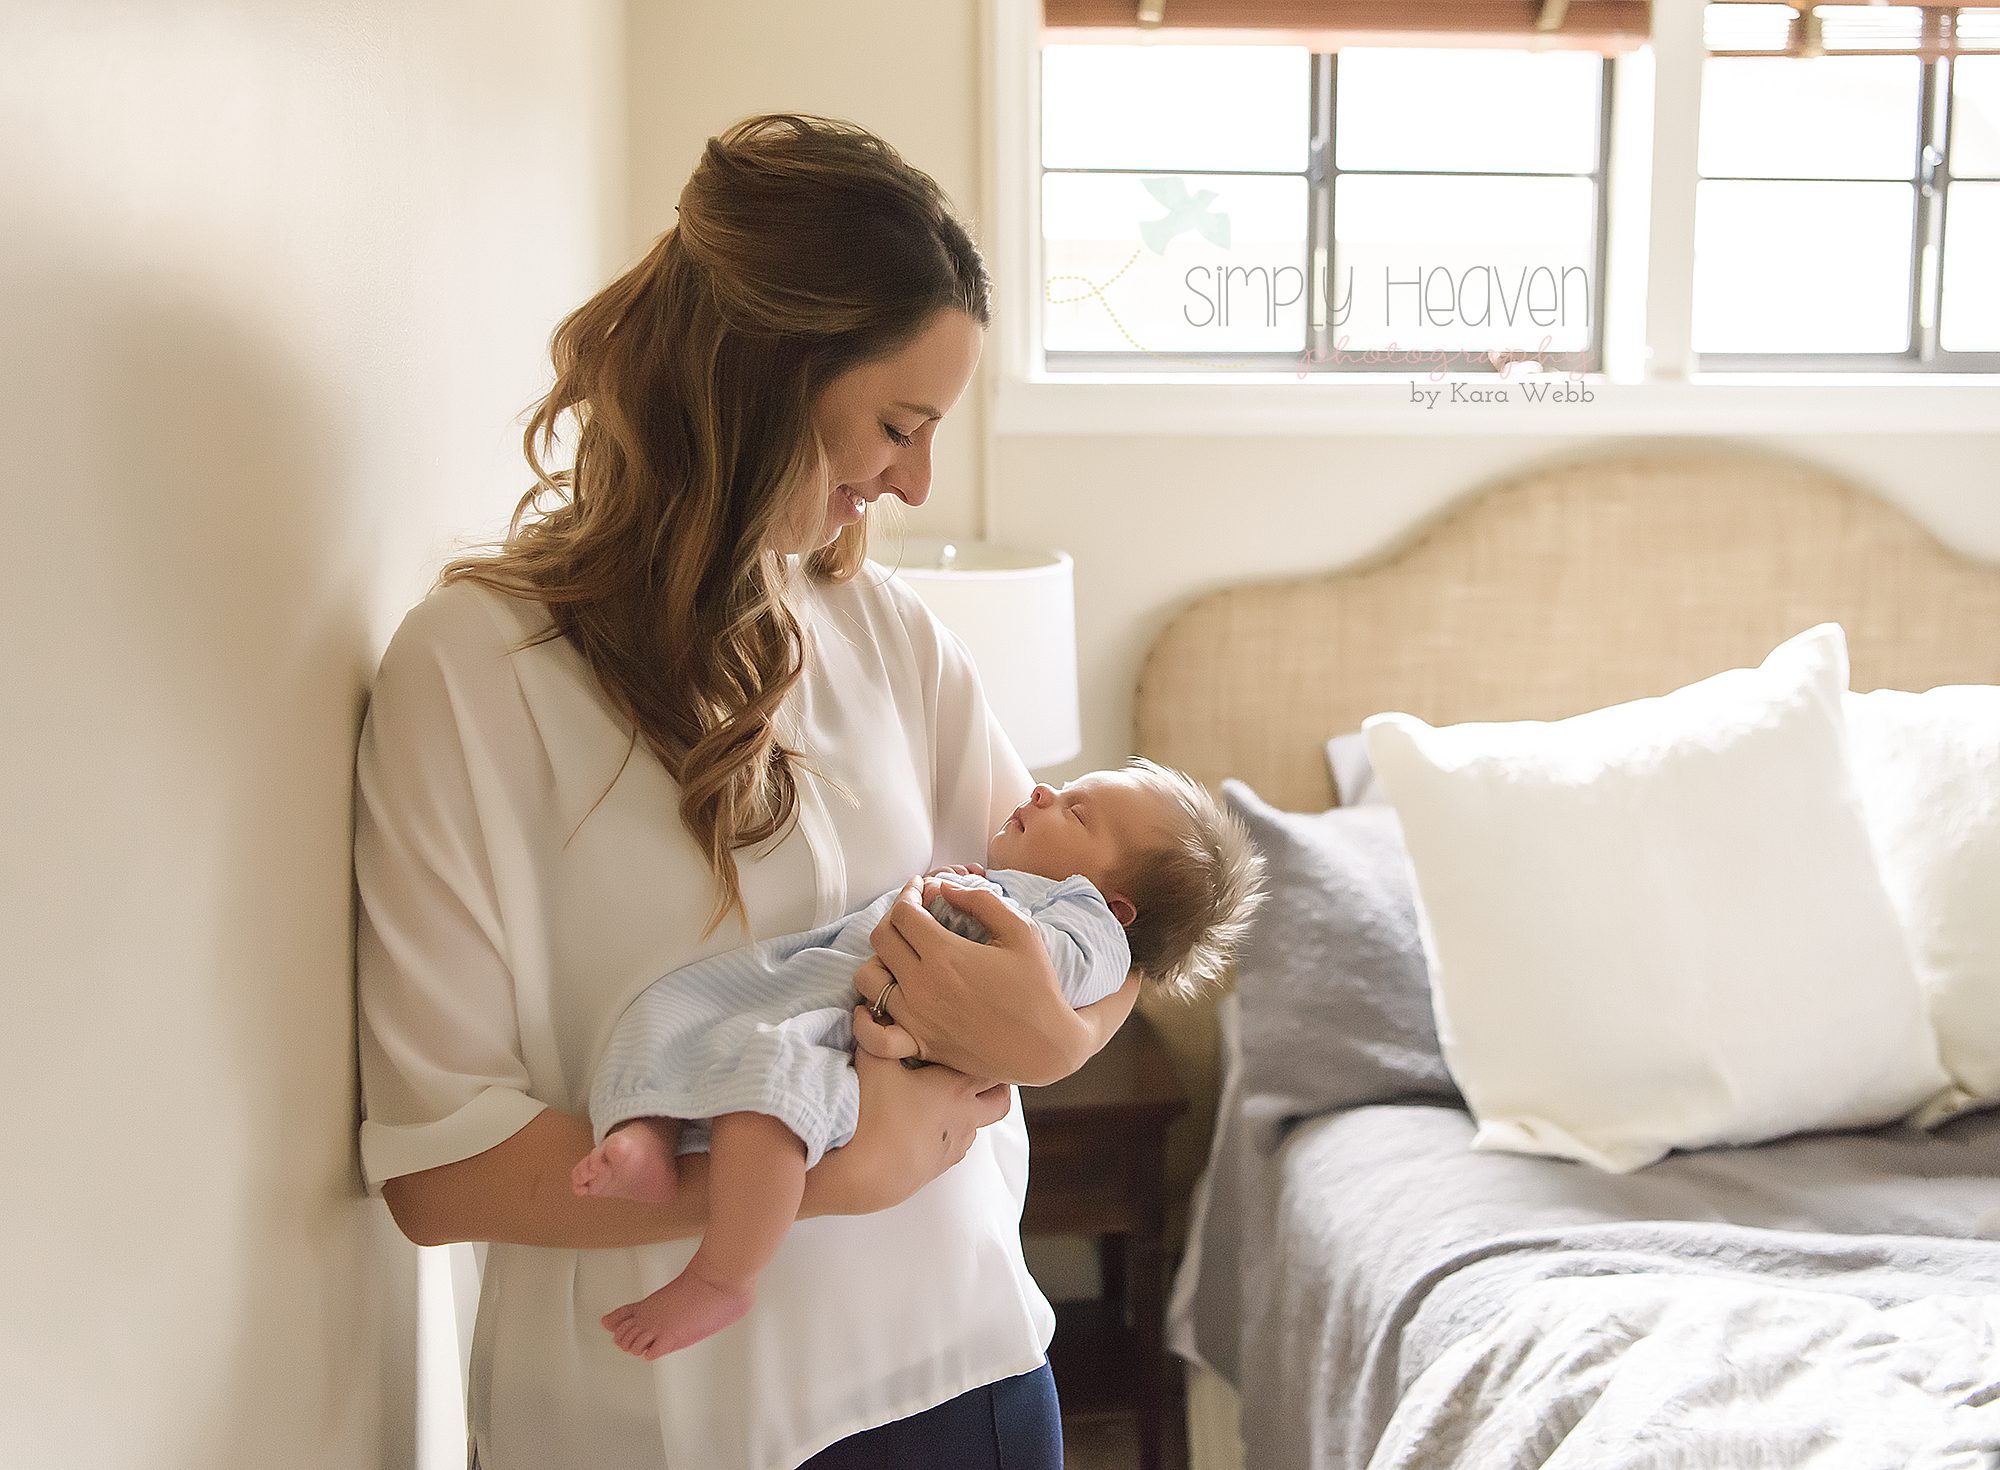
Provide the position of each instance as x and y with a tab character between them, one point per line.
962	869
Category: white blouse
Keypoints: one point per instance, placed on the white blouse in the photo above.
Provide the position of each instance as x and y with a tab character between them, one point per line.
505	923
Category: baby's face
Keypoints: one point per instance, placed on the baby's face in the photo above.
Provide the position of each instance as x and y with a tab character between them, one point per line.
1087	827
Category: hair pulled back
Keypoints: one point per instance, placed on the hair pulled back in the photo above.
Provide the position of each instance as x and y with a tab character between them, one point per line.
803	247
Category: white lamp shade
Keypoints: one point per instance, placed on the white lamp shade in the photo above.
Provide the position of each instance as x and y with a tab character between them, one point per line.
1016	611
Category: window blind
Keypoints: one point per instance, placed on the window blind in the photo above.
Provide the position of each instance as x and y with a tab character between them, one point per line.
1850	28
1610	27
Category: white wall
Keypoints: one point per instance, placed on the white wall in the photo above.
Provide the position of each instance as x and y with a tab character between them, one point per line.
274	281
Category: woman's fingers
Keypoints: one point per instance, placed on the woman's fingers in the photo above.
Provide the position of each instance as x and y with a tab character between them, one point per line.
981	1106
915	1124
898	956
1004	922
909	920
871	978
994	1102
876	1039
892	943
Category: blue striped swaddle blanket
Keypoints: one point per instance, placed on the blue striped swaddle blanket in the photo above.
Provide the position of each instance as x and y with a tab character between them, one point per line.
767	1028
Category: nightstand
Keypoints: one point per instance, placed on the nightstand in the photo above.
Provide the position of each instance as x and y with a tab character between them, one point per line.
1096	1165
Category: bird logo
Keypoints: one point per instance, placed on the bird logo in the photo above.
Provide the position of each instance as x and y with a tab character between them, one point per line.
1184	211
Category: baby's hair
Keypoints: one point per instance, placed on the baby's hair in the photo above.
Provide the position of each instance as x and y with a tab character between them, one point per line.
1195	894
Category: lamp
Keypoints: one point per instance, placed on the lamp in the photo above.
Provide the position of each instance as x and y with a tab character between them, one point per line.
1016	610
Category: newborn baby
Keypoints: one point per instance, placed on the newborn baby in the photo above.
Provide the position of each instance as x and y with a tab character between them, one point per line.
1134	869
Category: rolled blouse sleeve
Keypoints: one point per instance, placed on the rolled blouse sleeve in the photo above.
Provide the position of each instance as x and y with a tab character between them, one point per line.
442	1072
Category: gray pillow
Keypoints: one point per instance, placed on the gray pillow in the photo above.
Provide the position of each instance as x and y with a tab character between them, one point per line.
1333	994
1354	776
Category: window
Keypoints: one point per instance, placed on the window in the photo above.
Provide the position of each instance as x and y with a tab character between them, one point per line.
1426	209
1848	209
1377	209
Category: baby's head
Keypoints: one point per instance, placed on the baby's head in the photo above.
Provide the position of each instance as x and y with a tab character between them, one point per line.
1179	870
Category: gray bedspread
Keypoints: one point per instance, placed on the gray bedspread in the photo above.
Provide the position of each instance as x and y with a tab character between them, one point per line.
1326	1278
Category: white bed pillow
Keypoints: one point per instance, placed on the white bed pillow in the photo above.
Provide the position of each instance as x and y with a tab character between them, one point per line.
1661	925
1928	769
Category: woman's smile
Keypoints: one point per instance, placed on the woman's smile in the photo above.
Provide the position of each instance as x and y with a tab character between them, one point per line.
847	503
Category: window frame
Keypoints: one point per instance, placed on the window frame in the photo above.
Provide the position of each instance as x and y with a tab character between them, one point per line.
1930	180
1322	177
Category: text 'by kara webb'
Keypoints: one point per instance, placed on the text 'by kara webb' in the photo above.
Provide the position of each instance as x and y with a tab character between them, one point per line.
1478	296
1551	391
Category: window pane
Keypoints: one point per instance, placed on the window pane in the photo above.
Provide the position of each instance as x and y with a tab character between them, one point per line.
1176	107
1975	115
1476	111
1840	117
1971	316
1474	264
1173	263
1802	267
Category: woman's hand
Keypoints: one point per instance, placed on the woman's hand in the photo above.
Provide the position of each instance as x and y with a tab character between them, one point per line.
992	1009
519	1191
871	978
914	1125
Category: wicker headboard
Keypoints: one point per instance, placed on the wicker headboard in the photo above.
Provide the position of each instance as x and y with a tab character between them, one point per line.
1560	590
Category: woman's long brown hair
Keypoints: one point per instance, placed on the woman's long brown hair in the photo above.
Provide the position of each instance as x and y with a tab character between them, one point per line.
803	247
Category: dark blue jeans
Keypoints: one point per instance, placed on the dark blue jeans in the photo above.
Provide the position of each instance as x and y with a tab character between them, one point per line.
1014	1424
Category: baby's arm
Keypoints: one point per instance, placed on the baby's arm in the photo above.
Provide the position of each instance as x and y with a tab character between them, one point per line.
1085	941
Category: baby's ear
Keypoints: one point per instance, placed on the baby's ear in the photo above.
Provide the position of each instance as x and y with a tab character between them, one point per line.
1122	910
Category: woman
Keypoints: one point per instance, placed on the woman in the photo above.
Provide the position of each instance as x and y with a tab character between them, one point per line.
674	713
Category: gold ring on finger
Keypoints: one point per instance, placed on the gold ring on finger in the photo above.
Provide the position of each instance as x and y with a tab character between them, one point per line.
881	1006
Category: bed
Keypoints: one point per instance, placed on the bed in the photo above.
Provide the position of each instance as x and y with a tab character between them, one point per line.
1359	1288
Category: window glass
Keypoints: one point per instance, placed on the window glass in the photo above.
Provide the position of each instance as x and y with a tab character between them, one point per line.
1476	264
1970	319
1850	117
1467	111
1176	107
1802	267
1975	115
1174	263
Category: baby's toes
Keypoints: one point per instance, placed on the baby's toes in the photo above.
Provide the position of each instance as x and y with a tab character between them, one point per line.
616	1318
635	1338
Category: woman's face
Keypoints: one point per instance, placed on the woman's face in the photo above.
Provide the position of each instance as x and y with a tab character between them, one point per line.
877	421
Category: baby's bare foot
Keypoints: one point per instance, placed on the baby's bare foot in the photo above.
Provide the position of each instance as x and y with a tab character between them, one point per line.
631	1163
679	1314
